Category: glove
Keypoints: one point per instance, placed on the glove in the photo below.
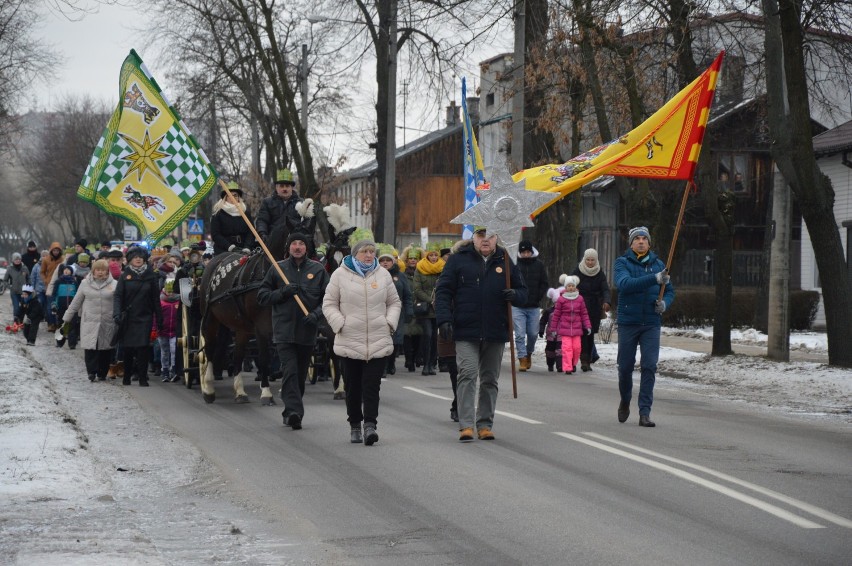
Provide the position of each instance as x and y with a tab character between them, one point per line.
246	251
311	318
289	290
663	277
541	334
509	294
659	307
232	247
588	332
27	320
445	331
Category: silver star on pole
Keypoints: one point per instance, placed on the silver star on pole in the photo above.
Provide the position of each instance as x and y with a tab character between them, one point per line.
505	208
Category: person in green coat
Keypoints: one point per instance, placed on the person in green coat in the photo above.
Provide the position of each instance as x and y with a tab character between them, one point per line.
425	277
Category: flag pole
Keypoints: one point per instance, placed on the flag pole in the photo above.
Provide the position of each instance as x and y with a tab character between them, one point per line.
262	244
507	264
689	184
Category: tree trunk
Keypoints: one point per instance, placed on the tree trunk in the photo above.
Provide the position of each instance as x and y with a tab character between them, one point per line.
792	149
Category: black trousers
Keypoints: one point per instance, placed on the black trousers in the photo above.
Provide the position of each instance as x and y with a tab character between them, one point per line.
362	381
429	341
295	360
453	369
97	361
31	331
136	363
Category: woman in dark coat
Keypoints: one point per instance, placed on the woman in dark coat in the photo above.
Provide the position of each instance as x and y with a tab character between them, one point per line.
227	227
136	305
594	289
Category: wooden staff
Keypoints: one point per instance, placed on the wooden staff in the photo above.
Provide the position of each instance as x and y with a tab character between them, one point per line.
262	244
507	265
689	184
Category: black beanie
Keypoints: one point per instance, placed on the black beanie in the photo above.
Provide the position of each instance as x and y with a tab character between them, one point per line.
82	243
296	236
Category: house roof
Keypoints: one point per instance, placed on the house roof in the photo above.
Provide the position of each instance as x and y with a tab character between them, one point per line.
834	141
370	167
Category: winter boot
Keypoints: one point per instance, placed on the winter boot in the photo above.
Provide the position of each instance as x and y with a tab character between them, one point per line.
355	434
370	434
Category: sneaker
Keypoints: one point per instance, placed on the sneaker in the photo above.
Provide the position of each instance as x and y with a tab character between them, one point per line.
465	434
175	378
485	433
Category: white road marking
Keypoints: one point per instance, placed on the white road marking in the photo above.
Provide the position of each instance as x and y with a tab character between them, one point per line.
807	507
724	490
501	413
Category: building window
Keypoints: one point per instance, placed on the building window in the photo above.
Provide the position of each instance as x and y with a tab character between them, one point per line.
489	99
733	173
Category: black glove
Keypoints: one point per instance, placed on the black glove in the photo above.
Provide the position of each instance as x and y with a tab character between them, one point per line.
290	290
509	294
445	331
311	318
541	334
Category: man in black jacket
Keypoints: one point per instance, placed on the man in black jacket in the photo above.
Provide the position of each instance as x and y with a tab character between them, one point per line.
286	209
526	316
294	333
470	307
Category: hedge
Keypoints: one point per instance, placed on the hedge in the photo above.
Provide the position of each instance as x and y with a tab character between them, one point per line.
695	306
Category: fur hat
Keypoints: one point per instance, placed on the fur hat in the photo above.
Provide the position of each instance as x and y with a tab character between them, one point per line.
638	231
136	251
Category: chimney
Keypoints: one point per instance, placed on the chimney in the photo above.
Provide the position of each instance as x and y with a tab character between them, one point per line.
473	108
453	115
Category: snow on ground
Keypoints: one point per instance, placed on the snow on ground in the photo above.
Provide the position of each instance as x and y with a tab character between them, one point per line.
86	477
802	341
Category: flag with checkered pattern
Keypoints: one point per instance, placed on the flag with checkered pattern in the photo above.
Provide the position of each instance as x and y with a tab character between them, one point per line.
147	167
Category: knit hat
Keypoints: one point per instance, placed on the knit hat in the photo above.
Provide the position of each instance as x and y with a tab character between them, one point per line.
83	258
31	244
638	231
569	280
296	236
445	251
15	256
82	243
525	246
591	252
384	250
360	245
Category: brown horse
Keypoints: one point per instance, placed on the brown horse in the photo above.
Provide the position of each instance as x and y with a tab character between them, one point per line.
229	301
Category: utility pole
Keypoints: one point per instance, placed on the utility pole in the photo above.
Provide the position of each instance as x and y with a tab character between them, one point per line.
517	160
778	341
303	72
404	108
389	204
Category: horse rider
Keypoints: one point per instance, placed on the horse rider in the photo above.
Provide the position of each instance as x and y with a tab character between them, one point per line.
294	333
286	208
228	228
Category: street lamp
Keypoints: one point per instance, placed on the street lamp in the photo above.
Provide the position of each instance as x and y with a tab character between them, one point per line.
389	200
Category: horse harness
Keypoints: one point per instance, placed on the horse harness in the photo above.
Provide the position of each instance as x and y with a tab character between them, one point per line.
235	276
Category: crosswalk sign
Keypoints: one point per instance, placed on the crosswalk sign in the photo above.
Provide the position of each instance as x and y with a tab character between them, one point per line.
195	226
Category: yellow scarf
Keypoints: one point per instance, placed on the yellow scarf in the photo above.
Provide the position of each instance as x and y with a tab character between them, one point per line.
426	267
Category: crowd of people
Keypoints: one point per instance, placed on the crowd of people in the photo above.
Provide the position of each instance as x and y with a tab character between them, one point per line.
446	309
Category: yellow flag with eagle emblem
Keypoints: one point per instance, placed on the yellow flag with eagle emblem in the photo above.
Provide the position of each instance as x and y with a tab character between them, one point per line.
665	146
147	168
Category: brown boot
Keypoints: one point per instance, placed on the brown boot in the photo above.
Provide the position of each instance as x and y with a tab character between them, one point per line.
529	361
522	364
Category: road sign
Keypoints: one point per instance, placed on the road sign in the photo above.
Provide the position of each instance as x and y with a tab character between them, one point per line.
195	226
130	233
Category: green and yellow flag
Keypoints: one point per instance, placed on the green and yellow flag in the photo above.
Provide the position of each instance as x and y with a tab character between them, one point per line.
147	167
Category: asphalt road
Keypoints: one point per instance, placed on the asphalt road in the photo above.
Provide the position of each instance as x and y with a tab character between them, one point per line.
563	483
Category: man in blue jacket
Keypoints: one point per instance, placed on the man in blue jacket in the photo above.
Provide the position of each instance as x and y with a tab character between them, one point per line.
638	275
470	307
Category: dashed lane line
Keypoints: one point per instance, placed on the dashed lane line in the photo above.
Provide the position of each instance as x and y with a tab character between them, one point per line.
719	488
807	507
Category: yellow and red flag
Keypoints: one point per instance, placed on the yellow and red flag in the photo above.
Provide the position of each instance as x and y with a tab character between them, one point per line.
665	146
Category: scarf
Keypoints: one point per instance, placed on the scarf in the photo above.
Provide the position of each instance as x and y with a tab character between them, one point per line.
426	267
571	296
362	269
589	271
115	269
229	207
138	270
81	272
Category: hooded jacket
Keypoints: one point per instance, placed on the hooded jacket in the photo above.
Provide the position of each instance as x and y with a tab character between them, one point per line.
93	302
569	316
362	311
638	289
469	294
49	263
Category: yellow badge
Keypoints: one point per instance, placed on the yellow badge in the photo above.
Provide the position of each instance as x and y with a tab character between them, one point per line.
310	275
129	277
499	270
374	285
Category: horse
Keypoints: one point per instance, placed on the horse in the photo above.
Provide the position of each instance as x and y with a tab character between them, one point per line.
338	248
228	298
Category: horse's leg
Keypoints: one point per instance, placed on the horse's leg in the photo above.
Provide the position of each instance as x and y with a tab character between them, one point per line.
240	342
263	361
205	359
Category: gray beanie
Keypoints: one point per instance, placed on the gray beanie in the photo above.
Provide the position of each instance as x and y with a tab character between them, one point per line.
638	231
362	244
15	256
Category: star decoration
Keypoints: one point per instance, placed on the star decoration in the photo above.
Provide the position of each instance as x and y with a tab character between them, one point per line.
144	156
505	208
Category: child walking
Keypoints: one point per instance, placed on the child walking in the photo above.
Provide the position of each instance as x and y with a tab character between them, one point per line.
570	319
170	305
553	347
30	312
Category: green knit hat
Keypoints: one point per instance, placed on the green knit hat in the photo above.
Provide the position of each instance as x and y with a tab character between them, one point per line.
361	234
384	250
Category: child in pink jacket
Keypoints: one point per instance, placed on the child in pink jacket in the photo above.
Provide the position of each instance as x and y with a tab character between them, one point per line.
570	320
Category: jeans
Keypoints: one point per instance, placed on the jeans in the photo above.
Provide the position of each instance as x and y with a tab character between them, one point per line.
362	381
526	329
477	359
16	301
295	359
647	338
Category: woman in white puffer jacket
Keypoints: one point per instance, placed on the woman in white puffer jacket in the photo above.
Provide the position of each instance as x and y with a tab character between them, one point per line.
362	307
